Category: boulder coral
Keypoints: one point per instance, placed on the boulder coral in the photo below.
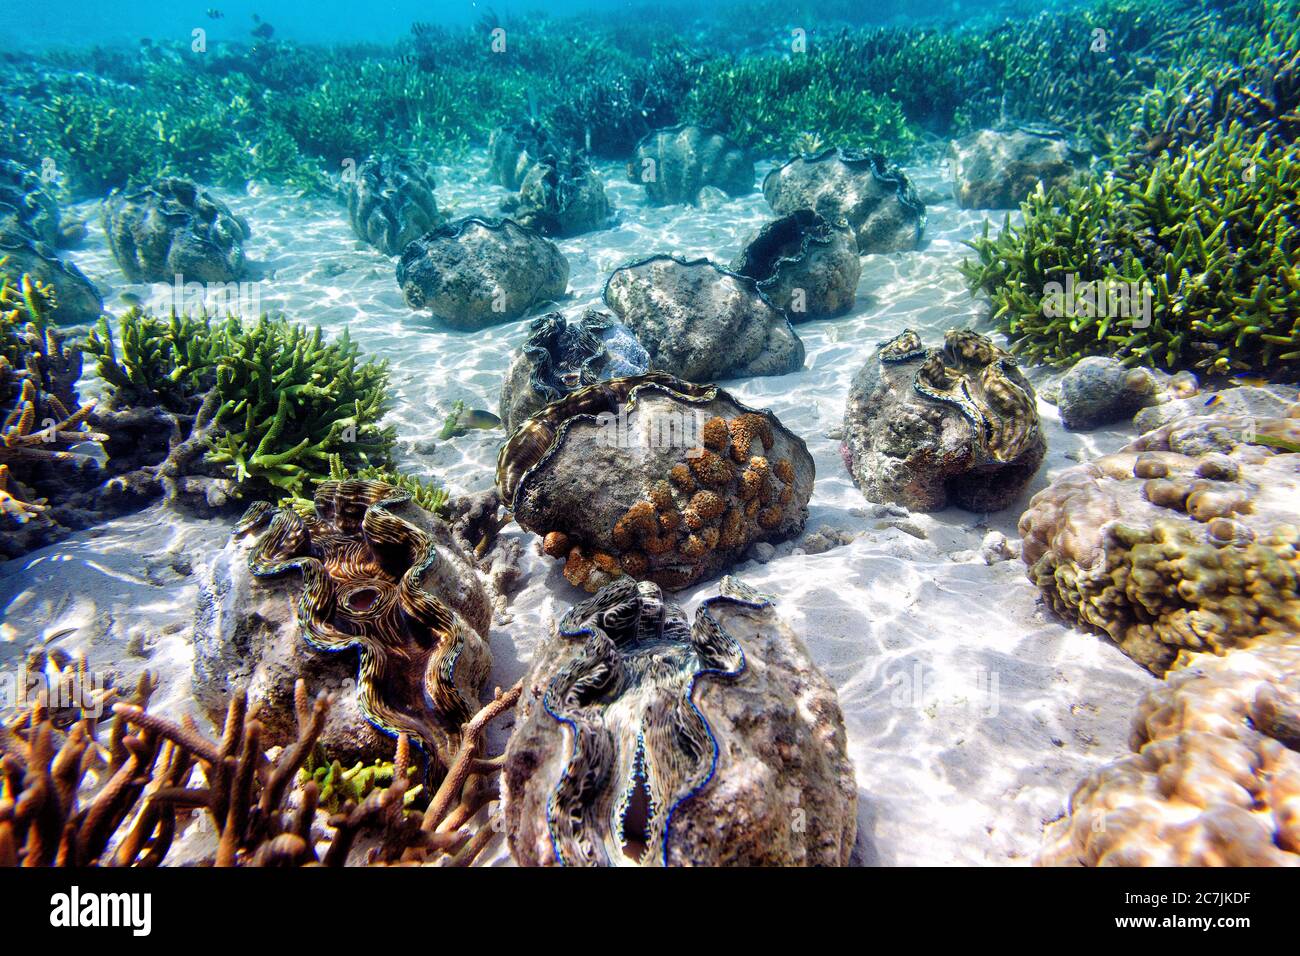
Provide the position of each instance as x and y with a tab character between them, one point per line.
1183	541
646	740
653	478
1214	777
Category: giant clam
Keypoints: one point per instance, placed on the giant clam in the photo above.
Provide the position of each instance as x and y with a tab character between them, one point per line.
642	739
674	164
806	264
655	478
878	200
375	581
391	202
928	427
559	357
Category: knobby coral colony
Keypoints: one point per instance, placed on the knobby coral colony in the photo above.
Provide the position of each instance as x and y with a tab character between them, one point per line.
363	569
1182	257
641	747
66	799
43	423
281	399
717	499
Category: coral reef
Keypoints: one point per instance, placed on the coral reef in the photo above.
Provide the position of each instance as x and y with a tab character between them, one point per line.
560	356
878	202
686	744
396	589
69	801
391	203
47	446
702	322
926	428
1214	777
72	299
805	264
561	195
245	408
654	478
472	272
998	169
173	228
1183	541
674	164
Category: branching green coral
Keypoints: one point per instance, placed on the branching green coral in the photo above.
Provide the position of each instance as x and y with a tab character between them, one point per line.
286	400
339	785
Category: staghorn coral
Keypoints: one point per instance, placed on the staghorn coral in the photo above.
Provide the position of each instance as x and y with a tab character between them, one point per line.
1183	541
141	802
45	434
645	740
928	427
616	479
1214	777
391	202
254	408
367	580
559	356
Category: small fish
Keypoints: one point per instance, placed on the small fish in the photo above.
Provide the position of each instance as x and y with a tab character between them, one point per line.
215	14
1245	378
478	418
263	30
131	299
1213	400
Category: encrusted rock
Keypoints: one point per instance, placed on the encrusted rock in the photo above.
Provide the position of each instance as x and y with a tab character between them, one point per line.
561	196
878	202
998	169
1214	777
559	357
702	322
383	583
1256	401
654	478
675	164
472	272
172	227
1098	390
1183	541
76	301
926	428
642	739
514	148
804	264
391	203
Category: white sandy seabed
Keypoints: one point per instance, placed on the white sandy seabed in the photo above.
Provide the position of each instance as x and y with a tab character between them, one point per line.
971	711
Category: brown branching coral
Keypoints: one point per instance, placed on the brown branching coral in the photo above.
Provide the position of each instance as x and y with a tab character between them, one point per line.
156	773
